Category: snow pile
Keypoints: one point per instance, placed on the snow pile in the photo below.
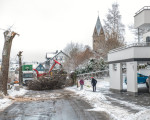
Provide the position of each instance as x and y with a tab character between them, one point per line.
100	103
142	115
13	93
6	101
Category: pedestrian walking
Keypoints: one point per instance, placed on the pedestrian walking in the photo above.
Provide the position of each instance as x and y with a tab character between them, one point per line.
81	84
94	82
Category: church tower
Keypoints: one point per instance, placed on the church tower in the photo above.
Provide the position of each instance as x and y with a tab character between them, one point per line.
98	37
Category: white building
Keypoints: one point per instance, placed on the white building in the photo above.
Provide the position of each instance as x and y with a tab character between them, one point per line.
58	56
142	21
131	55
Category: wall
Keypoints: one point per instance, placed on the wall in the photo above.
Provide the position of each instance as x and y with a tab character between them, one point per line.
142	19
146	35
98	40
132	77
115	77
139	19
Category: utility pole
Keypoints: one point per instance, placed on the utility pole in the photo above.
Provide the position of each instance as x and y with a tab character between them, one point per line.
8	36
20	67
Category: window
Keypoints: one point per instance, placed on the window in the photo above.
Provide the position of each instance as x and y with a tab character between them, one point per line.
148	39
27	75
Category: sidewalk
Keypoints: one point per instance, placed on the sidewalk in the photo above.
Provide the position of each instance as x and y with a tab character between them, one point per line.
119	106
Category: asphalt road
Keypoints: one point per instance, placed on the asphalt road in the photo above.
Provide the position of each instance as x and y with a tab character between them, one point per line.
51	105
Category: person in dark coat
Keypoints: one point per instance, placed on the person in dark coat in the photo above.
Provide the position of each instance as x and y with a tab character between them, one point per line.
94	82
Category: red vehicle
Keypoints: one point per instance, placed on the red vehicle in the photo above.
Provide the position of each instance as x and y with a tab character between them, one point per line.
43	74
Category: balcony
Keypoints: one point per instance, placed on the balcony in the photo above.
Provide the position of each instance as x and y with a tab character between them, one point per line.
142	18
132	52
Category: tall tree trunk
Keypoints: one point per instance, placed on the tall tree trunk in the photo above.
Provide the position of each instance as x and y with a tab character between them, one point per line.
8	36
0	81
20	68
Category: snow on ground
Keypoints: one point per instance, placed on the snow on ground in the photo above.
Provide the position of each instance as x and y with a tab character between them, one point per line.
100	103
6	101
14	93
97	99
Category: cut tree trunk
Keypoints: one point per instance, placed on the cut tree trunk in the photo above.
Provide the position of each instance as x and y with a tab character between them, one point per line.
5	58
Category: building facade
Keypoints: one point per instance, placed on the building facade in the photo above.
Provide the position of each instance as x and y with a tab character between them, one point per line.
58	56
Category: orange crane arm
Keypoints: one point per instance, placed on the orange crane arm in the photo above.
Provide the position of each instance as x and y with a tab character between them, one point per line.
38	75
56	62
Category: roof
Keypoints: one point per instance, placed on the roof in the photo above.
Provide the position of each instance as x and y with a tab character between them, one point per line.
98	25
62	53
40	67
50	55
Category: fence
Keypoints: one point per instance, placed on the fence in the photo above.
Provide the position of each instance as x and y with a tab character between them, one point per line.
97	74
142	44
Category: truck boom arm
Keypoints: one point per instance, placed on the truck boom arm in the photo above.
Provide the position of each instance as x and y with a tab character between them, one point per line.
39	75
56	62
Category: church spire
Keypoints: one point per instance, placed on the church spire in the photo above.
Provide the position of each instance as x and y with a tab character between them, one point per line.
98	25
98	36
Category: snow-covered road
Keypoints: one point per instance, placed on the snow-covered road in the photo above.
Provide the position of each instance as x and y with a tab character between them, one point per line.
117	106
50	105
104	100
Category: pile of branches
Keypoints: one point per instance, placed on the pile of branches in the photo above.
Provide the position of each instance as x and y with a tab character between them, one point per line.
56	81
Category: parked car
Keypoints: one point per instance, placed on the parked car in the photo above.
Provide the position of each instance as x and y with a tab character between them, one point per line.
141	79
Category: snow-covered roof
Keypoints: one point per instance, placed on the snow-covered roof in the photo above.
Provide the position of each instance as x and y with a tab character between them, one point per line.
50	55
61	52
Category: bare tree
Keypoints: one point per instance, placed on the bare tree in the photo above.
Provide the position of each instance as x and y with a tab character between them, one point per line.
20	67
73	49
78	54
8	36
84	55
138	33
114	29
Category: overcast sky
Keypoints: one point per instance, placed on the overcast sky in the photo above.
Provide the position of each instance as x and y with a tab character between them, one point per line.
49	25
